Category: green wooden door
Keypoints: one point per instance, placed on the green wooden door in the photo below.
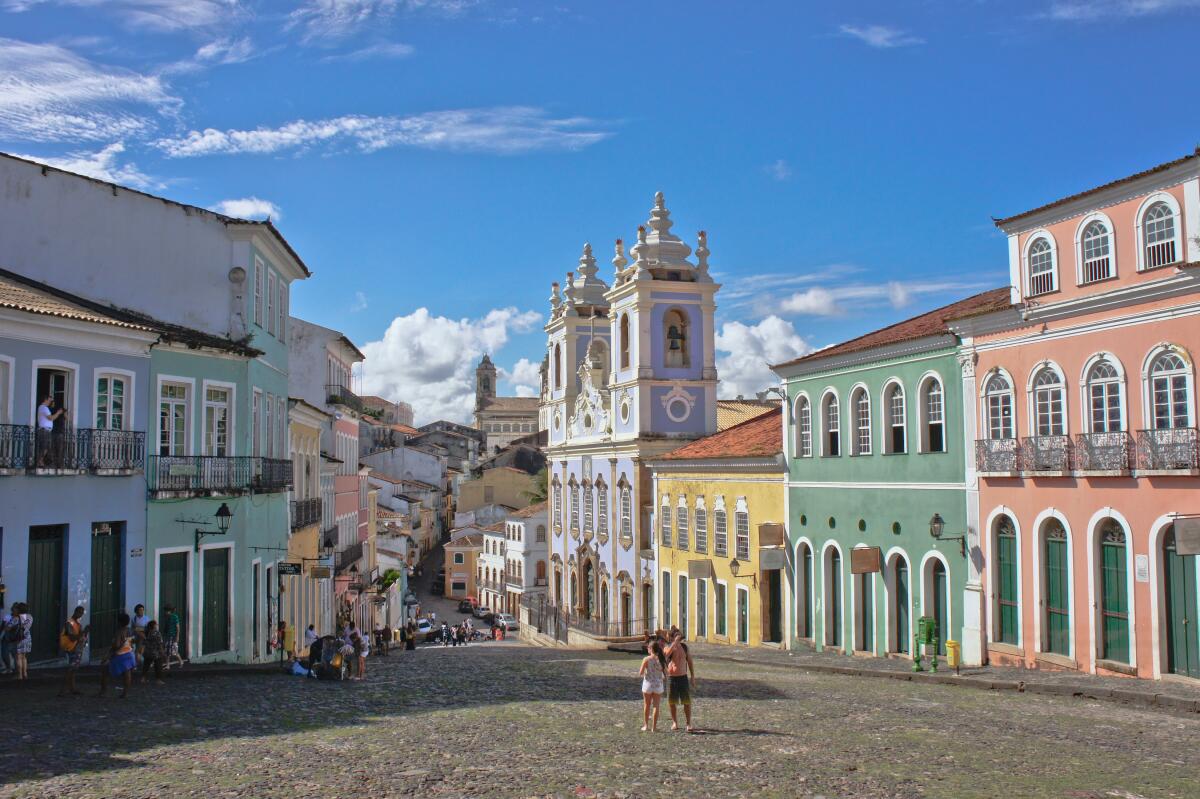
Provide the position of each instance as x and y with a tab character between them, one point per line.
106	586
45	589
215	633
834	636
806	618
1114	597
1006	577
1183	635
1058	586
941	605
774	625
683	605
173	591
903	631
866	615
701	608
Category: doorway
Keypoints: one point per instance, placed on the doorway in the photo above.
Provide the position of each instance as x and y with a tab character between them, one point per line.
45	589
772	601
107	562
865	594
173	592
1179	591
215	633
940	609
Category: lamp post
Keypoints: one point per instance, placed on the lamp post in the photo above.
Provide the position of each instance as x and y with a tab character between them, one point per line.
937	525
735	568
223	515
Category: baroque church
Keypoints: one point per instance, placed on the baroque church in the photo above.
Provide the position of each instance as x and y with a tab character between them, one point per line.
502	419
631	375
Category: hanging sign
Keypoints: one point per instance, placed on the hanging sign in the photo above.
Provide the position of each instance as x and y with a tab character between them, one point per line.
320	572
291	569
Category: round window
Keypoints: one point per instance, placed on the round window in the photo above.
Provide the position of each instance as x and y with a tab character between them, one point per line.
625	411
832	522
862	525
678	409
557	421
803	520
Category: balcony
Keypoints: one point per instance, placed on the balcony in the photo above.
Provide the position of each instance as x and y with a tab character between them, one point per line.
346	557
1046	455
1169	451
1104	453
340	395
49	452
998	457
305	512
329	537
212	475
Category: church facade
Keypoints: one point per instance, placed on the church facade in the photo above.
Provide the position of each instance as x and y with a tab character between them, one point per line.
502	419
631	375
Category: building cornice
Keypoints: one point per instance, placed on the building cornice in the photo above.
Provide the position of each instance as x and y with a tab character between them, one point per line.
77	333
1183	282
663	468
901	349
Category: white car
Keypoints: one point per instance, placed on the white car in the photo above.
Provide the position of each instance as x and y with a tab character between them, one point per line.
424	628
506	621
481	611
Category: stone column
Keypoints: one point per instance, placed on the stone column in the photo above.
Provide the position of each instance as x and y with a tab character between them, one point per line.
974	644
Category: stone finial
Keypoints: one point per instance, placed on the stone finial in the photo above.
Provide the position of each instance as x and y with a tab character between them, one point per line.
619	260
660	217
555	298
569	293
659	201
702	253
587	263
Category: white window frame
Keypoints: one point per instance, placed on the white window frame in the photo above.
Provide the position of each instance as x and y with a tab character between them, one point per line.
1040	235
626	510
128	422
260	281
803	422
1080	262
860	418
721	621
1169	200
1148	383
985	406
556	491
1032	392
601	507
573	496
700	512
189	384
720	529
8	369
256	410
682	522
826	430
281	308
270	302
664	520
737	635
741	514
230	412
887	417
928	380
1085	392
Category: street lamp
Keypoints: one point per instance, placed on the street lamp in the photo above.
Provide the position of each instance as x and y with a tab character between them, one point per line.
937	525
735	568
223	516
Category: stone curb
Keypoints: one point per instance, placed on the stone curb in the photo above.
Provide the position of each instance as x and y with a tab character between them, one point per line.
1081	690
54	676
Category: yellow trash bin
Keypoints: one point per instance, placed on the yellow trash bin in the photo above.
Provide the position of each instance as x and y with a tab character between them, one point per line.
953	654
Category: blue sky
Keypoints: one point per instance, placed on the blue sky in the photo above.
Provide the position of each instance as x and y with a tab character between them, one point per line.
439	162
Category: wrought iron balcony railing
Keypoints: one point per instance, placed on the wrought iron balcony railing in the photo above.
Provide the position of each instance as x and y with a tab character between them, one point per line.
214	474
83	449
1046	453
340	395
1104	452
305	512
1172	449
329	538
347	556
997	455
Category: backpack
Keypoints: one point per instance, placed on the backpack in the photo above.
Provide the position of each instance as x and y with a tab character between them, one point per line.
15	631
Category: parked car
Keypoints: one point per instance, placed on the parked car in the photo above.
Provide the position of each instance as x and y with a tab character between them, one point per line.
506	621
424	628
466	606
481	610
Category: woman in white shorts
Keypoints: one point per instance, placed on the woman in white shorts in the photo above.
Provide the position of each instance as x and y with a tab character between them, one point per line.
651	673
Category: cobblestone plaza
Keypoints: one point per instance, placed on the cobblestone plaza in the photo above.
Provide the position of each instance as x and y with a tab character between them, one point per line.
508	720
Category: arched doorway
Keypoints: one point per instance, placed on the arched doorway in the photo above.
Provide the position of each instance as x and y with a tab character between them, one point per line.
901	623
1179	595
1114	592
626	612
1057	585
587	577
833	598
604	616
864	616
804	592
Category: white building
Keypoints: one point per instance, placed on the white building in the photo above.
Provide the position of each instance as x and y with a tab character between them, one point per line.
526	554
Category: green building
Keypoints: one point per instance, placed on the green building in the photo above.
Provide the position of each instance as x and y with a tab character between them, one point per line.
875	448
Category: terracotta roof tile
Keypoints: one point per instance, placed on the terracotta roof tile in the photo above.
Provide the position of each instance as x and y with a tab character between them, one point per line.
512	404
760	437
21	297
734	412
932	323
468	541
532	510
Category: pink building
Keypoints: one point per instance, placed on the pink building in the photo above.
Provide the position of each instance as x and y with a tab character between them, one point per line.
1086	415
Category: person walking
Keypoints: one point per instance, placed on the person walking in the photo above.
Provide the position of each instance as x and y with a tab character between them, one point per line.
154	652
140	620
411	643
71	641
121	660
20	635
310	637
679	669
651	673
8	654
171	627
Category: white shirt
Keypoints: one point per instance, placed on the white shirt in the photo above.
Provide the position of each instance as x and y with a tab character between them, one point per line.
44	420
309	637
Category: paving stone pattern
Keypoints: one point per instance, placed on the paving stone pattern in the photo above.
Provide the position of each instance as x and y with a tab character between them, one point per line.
508	720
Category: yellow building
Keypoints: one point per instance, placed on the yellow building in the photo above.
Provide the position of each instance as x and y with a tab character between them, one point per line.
503	485
308	596
722	568
461	554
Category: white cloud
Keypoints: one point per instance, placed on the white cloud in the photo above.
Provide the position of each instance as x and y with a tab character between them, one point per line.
48	93
1091	10
881	36
780	170
153	15
376	51
337	19
750	349
102	165
430	360
249	208
839	300
525	377
815	301
504	130
360	302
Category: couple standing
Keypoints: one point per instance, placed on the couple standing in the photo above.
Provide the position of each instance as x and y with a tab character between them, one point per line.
673	661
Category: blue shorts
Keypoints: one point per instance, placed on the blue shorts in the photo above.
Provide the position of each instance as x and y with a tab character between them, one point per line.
122	663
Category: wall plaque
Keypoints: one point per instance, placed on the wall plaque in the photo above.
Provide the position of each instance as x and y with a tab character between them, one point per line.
864	560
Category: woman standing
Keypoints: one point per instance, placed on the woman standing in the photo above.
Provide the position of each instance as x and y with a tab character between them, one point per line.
121	660
24	623
154	652
651	673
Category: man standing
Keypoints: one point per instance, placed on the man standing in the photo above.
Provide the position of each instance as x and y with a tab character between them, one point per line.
71	641
46	417
679	669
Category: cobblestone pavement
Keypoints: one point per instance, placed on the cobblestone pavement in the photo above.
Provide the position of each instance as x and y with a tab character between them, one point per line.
511	720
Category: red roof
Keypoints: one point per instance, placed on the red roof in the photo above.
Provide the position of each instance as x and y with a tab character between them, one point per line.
932	323
532	510
760	437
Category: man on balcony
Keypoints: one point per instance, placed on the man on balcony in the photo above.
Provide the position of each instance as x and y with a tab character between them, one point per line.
48	453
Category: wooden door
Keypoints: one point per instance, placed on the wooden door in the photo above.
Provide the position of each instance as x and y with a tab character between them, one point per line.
46	589
215	633
941	605
1058	607
173	591
866	608
1114	598
903	628
1183	637
107	559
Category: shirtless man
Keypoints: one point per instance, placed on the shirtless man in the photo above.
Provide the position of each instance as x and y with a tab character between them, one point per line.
681	673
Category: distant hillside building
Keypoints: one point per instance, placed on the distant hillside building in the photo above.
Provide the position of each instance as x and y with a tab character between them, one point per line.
501	419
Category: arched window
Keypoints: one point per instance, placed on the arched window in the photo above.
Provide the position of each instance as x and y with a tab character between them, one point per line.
1008	609
1048	404
626	512
741	530
998	405
701	526
1159	236
1104	398
541	534
720	531
1114	593
933	416
623	332
574	492
675	338
587	506
1170	392
665	521
860	404
803	428
601	508
1056	579
681	524
558	383
831	426
895	438
1096	244
1042	274
557	492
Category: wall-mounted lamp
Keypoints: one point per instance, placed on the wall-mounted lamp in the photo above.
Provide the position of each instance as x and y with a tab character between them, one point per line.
937	525
223	515
735	567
